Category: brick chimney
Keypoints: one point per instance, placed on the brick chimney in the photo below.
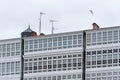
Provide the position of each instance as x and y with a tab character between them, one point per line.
95	26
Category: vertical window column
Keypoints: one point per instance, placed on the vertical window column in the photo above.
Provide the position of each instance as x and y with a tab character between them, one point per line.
88	39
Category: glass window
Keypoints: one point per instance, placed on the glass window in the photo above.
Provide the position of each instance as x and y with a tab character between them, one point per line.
39	78
30	78
119	34
0	68
115	35
17	69
64	77
54	39
110	56
74	37
59	78
69	37
59	44
80	40
26	46
4	47
99	37
8	67
74	76
3	68
54	78
40	41
104	51
88	39
60	39
30	66
115	56
80	36
35	44
18	47
49	78
49	40
8	47
110	51
68	76
44	78
13	47
93	58
35	65
115	50
104	37
64	38
30	44
93	37
98	57
26	66
99	52
104	57
88	58
12	67
109	36
78	76
0	50
34	78
93	52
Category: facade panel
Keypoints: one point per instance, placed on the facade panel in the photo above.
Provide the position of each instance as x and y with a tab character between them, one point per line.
60	56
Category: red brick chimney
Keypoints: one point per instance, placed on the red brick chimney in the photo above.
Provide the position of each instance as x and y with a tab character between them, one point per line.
95	26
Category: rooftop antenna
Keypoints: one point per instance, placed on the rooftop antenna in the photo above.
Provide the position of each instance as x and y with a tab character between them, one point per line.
52	21
40	20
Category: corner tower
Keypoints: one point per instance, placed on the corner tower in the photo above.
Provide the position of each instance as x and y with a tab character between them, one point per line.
28	32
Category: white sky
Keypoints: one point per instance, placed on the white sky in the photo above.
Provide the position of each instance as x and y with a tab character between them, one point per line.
73	15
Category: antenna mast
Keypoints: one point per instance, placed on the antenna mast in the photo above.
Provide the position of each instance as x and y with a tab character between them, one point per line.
52	21
40	20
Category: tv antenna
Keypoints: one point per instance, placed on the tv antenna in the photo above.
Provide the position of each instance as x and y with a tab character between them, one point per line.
40	21
52	21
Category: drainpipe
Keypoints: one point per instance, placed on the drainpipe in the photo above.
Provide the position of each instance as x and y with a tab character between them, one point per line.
22	59
84	56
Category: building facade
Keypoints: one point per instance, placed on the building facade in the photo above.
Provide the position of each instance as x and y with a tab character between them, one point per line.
60	56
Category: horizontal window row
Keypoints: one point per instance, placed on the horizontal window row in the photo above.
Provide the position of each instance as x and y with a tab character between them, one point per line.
89	76
103	76
48	65
104	37
98	74
55	57
62	42
103	63
9	54
51	66
103	51
9	68
11	49
57	77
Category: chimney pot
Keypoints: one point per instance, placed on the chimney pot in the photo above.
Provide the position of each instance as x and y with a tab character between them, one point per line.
95	26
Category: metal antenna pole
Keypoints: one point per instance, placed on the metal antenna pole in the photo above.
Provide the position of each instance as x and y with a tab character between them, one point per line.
52	21
52	25
40	20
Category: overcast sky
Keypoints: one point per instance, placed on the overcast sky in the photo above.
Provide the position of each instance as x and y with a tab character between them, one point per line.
72	15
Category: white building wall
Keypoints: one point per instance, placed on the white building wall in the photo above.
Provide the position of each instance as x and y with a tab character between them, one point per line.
103	55
10	61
